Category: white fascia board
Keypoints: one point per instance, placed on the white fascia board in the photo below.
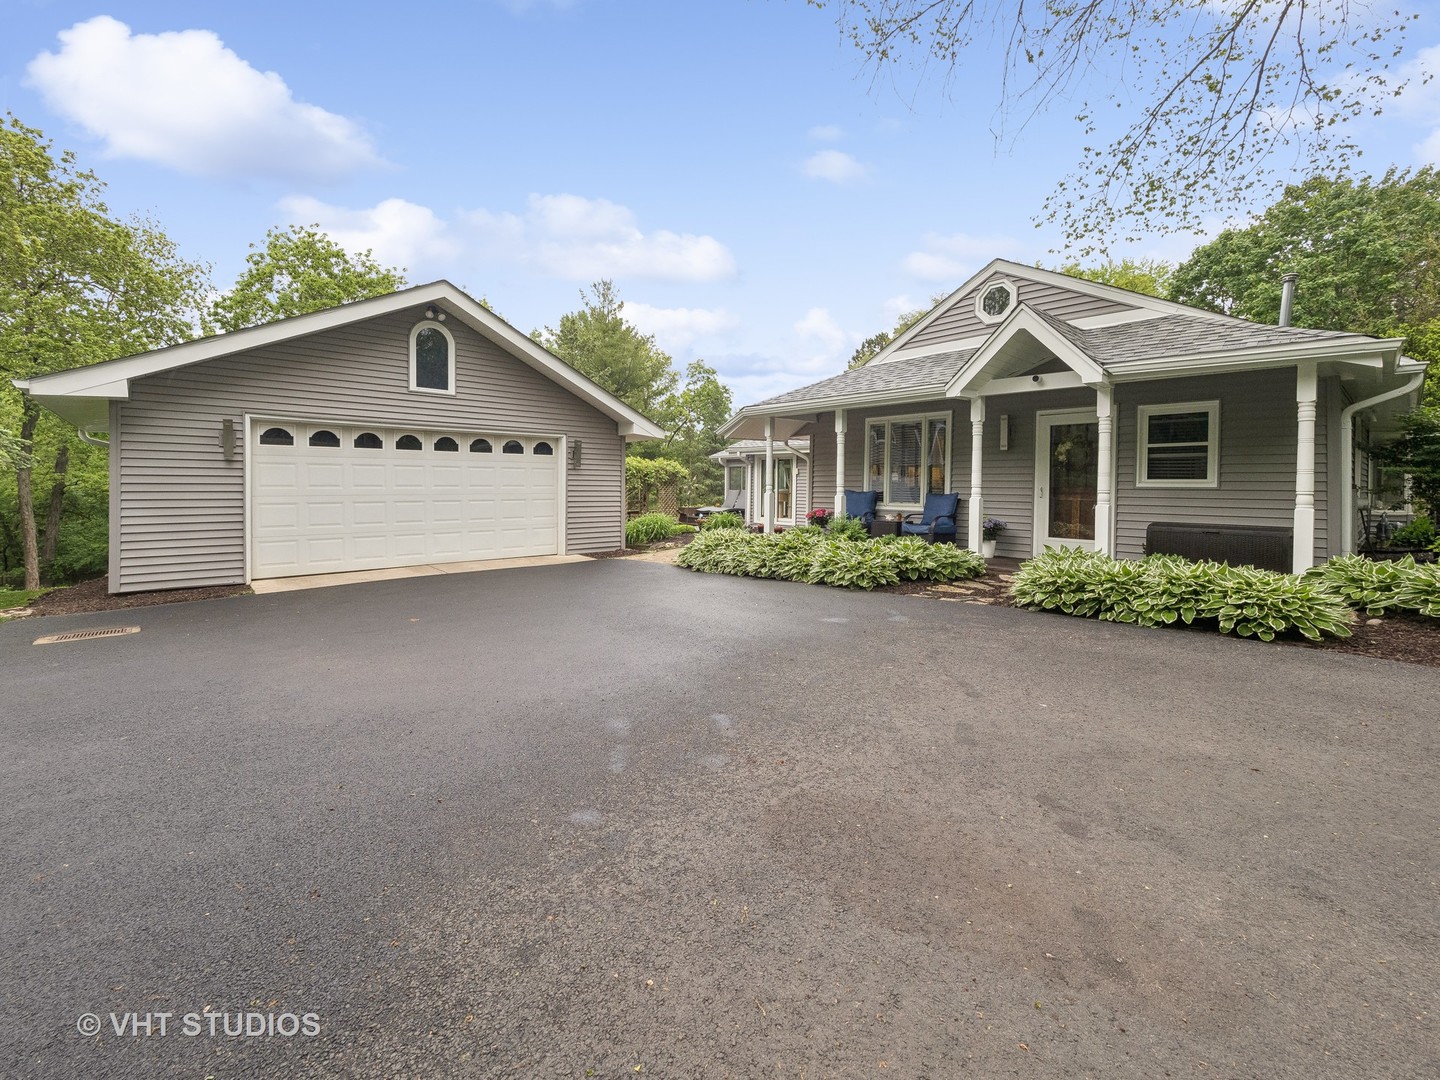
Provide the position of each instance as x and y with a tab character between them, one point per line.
109	376
1362	350
968	379
1026	384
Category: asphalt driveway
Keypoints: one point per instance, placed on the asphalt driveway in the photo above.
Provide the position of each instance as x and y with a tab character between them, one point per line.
615	818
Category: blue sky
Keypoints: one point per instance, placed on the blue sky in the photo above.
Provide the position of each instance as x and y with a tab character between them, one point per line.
759	201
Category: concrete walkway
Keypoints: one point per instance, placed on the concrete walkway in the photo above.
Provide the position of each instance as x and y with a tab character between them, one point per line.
321	581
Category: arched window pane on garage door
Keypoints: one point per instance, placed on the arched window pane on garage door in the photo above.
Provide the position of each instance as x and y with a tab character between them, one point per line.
325	438
481	446
447	445
368	440
512	447
276	436
408	442
543	448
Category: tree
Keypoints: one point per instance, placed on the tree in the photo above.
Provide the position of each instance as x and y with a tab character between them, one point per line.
1221	89
599	343
299	270
871	346
76	287
692	414
1417	453
1148	276
1367	252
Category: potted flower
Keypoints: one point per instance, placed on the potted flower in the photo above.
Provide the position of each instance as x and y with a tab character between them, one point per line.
990	530
819	516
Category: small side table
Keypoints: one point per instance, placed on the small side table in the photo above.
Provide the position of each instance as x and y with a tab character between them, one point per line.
885	527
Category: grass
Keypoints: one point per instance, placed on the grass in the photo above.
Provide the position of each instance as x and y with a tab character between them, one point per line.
10	599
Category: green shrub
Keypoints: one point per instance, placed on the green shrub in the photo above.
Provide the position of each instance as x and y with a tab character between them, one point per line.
1419	533
648	528
726	520
1378	586
812	555
1164	589
849	528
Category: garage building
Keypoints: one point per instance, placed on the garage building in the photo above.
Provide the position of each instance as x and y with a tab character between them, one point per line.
409	429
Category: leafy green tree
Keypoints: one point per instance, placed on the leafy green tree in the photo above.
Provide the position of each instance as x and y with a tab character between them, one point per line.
1148	276
77	286
692	414
1367	252
599	343
1417	453
1217	91
297	271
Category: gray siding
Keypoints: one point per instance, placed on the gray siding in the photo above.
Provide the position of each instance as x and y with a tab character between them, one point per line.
181	505
959	320
1257	457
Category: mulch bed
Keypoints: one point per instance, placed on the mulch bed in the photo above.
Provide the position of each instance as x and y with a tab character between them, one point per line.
1411	639
93	595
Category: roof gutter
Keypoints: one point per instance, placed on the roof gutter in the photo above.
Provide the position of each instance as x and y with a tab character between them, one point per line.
1347	454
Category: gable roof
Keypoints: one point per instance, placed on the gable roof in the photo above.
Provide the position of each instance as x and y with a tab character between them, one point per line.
1150	339
81	395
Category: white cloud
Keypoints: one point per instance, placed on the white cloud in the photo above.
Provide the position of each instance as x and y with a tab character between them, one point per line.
570	236
400	233
1421	102
836	166
562	236
826	133
676	329
822	343
950	258
184	100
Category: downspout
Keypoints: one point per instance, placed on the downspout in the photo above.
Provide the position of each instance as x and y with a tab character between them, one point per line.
89	439
1347	456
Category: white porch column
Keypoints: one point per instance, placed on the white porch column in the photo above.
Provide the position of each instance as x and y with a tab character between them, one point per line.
839	505
1105	465
1305	393
977	457
769	509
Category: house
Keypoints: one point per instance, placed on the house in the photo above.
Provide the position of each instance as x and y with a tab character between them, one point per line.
1083	414
417	427
744	466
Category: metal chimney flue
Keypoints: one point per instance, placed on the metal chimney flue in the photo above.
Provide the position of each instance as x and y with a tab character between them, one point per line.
1287	297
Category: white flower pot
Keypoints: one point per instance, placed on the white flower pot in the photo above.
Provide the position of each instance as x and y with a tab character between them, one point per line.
987	549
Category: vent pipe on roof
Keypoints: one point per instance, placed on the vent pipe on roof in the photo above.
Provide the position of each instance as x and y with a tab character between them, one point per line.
1287	297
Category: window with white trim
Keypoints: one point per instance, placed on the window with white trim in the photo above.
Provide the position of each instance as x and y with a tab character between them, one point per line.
907	458
1178	445
432	359
736	479
994	301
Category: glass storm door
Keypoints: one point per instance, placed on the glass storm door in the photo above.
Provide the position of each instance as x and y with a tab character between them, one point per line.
1066	473
784	474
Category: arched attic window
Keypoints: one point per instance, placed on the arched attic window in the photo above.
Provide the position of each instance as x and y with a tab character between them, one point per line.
432	359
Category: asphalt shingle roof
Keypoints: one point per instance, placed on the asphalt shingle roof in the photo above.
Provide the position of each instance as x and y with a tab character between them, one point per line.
1110	346
916	373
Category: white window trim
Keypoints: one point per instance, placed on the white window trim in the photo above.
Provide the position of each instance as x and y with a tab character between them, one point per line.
431	324
1142	444
985	290
924	418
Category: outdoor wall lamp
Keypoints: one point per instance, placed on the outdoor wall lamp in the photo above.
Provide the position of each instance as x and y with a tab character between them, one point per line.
432	312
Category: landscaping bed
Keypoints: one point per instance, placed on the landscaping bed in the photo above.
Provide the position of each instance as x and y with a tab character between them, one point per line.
94	595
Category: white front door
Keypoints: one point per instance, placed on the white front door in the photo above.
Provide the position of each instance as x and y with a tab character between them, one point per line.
330	497
1066	472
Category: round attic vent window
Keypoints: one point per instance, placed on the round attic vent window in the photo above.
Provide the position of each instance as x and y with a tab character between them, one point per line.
995	301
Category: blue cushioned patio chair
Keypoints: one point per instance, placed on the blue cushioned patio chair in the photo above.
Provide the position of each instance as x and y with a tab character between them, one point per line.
936	522
861	504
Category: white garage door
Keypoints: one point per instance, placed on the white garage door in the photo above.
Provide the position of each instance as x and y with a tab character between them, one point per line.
327	498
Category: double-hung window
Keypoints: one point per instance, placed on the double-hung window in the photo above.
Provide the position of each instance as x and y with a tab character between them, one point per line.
1179	445
907	458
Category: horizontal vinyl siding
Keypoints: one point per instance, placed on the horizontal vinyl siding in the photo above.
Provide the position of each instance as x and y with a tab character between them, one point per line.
181	512
959	320
1257	458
